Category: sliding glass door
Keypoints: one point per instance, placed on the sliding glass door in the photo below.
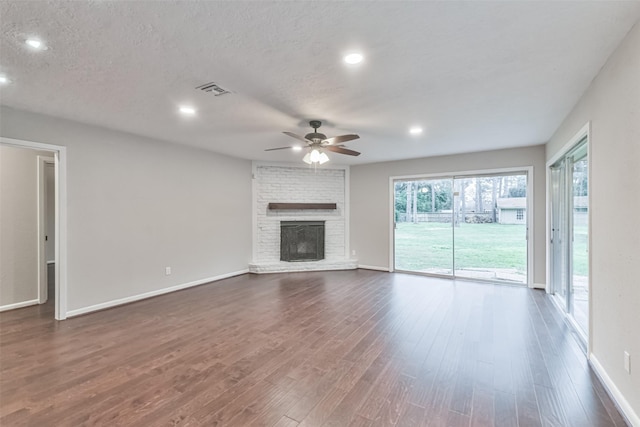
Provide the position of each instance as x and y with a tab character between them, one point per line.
423	215
569	193
471	227
559	234
579	229
490	233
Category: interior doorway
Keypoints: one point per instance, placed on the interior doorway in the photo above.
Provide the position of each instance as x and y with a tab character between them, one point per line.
58	269
472	226
46	229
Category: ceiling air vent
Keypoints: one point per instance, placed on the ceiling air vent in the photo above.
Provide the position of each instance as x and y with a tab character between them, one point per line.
213	88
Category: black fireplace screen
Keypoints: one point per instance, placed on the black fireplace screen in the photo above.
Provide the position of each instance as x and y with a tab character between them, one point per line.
301	240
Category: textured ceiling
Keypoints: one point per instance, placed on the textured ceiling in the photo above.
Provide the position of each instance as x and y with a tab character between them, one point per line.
476	75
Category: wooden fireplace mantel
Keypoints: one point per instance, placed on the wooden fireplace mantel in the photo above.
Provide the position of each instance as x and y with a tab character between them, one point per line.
290	206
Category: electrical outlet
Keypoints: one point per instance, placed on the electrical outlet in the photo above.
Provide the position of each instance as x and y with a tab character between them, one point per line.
353	252
167	271
627	362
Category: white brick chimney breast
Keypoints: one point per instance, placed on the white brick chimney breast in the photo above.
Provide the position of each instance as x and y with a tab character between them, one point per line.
289	183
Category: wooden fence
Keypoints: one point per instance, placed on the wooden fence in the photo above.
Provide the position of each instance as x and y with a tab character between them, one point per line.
446	217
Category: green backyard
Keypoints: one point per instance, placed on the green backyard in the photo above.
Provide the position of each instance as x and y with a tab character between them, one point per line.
427	246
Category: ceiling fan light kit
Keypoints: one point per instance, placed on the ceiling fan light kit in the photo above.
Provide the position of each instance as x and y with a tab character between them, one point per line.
315	156
317	143
323	158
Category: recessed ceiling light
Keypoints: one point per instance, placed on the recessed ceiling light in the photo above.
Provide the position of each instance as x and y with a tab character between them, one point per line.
353	58
185	109
416	130
4	80
36	44
296	148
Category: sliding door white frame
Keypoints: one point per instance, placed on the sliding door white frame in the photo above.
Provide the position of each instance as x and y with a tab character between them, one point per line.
528	170
584	132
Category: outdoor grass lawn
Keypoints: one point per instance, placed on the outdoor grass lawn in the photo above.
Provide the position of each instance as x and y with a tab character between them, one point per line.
427	245
580	251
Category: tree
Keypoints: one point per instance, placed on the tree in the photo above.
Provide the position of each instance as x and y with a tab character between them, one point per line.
479	204
400	199
461	202
443	195
513	186
414	205
494	198
409	201
580	183
433	198
425	197
414	197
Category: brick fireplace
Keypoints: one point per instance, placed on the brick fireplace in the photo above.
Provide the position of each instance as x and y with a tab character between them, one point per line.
301	241
284	193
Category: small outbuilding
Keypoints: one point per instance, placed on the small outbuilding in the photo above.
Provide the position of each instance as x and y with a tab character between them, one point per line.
512	210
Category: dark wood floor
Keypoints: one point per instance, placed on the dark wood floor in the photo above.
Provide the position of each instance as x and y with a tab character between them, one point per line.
353	348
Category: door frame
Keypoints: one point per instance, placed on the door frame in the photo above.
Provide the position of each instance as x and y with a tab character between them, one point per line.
60	161
43	194
584	132
529	170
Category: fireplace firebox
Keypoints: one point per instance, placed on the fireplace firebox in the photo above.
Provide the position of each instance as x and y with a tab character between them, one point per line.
301	240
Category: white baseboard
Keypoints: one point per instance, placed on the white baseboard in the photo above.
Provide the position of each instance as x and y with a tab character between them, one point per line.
19	305
373	267
539	286
51	262
126	300
290	267
625	408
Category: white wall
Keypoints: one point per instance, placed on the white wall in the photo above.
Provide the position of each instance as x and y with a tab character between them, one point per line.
137	205
18	225
612	104
371	203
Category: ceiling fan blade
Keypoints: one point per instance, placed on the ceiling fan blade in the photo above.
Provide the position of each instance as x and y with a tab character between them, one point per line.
279	148
340	139
341	150
301	138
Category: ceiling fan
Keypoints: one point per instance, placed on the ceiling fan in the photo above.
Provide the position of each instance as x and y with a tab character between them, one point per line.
317	143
